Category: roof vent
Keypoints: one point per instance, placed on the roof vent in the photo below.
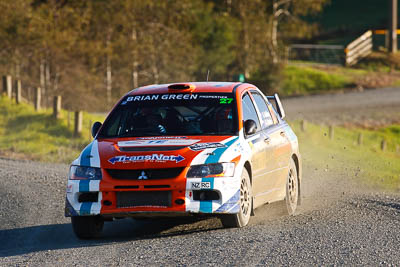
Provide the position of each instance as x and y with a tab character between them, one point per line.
181	87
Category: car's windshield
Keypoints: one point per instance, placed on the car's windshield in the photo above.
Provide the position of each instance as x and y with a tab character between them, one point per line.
172	114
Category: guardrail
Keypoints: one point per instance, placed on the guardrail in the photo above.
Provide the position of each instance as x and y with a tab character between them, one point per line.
359	48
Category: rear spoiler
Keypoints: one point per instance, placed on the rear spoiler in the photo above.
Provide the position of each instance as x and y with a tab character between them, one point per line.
277	104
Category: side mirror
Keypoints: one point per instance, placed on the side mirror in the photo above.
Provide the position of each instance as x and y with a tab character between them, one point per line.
95	128
280	110
277	105
250	127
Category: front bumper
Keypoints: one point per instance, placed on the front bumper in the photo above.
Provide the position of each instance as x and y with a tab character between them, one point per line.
193	195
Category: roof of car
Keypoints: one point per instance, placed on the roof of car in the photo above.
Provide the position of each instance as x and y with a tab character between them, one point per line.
195	87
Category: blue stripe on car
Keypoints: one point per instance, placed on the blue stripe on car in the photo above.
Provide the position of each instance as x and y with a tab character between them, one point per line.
206	205
235	209
85	156
84	185
217	153
85	208
69	210
230	203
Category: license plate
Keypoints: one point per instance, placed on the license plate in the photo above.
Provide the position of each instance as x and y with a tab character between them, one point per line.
201	185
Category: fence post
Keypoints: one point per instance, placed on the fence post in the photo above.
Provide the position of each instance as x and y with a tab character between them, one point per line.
57	107
78	123
331	132
7	86
360	139
37	98
383	145
303	125
18	91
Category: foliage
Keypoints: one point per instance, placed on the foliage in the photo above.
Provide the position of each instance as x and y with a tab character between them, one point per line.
91	52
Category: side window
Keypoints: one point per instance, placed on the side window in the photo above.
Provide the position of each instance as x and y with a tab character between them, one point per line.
249	111
264	110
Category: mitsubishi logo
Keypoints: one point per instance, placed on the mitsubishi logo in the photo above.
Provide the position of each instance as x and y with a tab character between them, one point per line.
142	176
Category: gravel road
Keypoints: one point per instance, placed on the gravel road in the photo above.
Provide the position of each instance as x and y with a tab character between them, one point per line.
341	222
370	108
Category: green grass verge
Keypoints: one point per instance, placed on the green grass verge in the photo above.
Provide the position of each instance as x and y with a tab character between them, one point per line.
306	80
342	154
39	136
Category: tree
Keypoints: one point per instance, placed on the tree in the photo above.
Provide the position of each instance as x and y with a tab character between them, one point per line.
289	14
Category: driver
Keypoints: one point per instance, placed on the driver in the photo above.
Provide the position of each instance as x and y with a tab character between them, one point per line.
149	119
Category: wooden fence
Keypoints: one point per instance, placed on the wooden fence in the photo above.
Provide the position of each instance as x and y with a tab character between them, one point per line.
334	54
15	92
359	48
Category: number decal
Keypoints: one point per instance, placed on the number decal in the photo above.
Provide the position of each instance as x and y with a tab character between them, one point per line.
225	100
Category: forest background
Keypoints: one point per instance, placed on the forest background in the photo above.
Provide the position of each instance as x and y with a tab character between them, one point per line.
92	52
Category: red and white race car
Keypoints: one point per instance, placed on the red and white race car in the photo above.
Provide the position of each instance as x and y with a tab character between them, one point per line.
210	147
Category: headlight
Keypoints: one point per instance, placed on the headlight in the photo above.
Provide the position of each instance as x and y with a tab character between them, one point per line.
82	173
211	170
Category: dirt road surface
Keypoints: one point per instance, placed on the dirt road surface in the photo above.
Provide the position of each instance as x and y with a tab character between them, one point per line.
341	221
371	108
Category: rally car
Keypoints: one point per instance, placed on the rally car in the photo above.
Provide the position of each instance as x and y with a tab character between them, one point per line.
212	148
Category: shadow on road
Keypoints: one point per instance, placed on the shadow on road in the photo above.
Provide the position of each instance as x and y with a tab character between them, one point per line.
25	240
19	241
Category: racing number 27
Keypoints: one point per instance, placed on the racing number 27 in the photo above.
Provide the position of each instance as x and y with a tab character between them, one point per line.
225	100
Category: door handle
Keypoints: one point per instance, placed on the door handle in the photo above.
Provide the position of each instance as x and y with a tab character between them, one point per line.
267	140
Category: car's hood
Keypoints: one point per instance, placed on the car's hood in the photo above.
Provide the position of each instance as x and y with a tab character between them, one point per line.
157	152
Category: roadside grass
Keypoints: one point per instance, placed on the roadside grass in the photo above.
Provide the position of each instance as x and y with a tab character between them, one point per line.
38	136
302	78
306	80
343	155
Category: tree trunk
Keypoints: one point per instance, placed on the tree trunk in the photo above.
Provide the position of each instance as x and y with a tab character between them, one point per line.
108	69
274	33
17	70
56	80
42	77
47	81
108	79
246	41
135	63
154	67
246	48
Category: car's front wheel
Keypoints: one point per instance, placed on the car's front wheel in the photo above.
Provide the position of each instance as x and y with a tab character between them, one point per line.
242	218
86	227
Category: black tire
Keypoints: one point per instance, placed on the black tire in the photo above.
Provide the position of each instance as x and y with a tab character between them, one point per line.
292	189
242	218
86	227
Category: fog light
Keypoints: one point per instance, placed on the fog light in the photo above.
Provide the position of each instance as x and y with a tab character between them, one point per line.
179	201
107	203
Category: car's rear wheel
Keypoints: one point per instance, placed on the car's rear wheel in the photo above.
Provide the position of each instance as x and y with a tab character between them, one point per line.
86	227
242	218
292	189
